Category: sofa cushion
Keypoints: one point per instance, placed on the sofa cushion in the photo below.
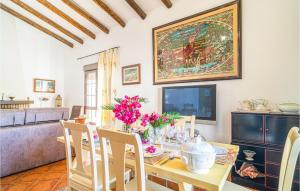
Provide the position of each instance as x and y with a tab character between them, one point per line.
19	117
30	116
35	115
11	117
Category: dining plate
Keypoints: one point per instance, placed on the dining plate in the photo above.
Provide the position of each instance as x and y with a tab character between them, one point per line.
158	152
220	150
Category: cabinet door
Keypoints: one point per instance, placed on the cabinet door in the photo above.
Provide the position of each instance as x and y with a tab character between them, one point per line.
247	128
277	128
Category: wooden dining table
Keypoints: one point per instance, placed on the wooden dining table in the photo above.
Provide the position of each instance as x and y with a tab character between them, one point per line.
175	170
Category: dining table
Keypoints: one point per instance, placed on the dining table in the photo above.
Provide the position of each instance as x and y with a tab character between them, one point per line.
174	169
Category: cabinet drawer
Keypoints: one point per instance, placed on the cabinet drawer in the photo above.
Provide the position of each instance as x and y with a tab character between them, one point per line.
274	170
247	128
273	183
273	156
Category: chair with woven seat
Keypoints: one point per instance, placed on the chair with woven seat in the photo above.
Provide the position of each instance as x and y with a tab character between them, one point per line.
84	172
118	141
288	164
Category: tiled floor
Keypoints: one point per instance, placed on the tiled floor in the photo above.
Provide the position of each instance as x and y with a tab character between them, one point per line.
51	177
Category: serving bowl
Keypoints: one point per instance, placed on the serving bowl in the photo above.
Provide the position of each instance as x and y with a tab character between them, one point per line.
11	98
198	156
288	107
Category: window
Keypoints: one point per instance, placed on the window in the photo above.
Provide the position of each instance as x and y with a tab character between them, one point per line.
90	98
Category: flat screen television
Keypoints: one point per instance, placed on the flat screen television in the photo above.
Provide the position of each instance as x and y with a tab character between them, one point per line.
191	100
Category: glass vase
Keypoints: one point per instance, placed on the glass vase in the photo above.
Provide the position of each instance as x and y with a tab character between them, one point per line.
127	128
156	135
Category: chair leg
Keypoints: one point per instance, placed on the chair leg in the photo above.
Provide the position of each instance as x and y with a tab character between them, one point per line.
185	187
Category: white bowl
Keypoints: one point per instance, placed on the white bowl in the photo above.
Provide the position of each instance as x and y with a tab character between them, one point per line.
288	107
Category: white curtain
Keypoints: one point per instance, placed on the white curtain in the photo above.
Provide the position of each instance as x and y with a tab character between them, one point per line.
107	64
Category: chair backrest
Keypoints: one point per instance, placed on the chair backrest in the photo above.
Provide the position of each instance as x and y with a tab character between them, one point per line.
289	160
118	141
77	110
78	131
183	120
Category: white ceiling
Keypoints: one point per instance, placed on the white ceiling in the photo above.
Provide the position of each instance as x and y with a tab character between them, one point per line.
119	6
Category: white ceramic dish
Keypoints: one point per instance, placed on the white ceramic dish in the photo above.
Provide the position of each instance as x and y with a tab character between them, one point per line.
249	154
198	163
158	152
220	151
199	156
288	107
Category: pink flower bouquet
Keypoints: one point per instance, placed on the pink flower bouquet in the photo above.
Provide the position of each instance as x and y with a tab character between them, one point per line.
126	109
155	120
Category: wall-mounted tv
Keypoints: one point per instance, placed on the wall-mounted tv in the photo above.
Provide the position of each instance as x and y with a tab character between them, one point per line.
191	100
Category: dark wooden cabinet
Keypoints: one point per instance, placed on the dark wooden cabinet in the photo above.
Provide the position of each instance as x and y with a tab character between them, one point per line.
264	133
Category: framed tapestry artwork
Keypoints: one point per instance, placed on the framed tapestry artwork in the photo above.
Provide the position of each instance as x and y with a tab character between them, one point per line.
202	47
43	85
131	74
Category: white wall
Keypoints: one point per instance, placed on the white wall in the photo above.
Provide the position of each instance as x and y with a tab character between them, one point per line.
28	53
270	57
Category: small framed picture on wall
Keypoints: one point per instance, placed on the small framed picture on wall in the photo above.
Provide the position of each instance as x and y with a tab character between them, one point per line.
43	85
131	74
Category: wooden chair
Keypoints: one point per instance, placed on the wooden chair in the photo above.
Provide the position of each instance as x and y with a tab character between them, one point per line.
118	141
182	123
83	173
289	160
288	163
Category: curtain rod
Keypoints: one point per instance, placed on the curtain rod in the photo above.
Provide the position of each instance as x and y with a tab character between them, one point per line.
96	53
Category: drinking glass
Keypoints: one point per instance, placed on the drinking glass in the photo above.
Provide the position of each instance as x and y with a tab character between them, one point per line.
181	135
170	132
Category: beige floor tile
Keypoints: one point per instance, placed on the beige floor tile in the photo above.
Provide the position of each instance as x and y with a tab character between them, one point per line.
45	185
19	187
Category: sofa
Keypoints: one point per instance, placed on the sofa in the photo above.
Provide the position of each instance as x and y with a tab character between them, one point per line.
28	138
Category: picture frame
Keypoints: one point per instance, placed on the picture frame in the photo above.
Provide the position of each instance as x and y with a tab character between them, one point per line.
131	74
43	85
202	47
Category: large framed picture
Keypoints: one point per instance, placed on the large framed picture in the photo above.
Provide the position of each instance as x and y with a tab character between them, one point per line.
202	47
43	85
131	74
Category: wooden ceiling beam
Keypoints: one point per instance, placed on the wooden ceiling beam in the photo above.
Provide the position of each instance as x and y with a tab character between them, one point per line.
73	5
67	18
167	3
137	8
109	11
34	24
47	20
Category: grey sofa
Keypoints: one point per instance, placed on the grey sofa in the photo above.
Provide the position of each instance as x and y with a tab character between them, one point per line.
28	138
